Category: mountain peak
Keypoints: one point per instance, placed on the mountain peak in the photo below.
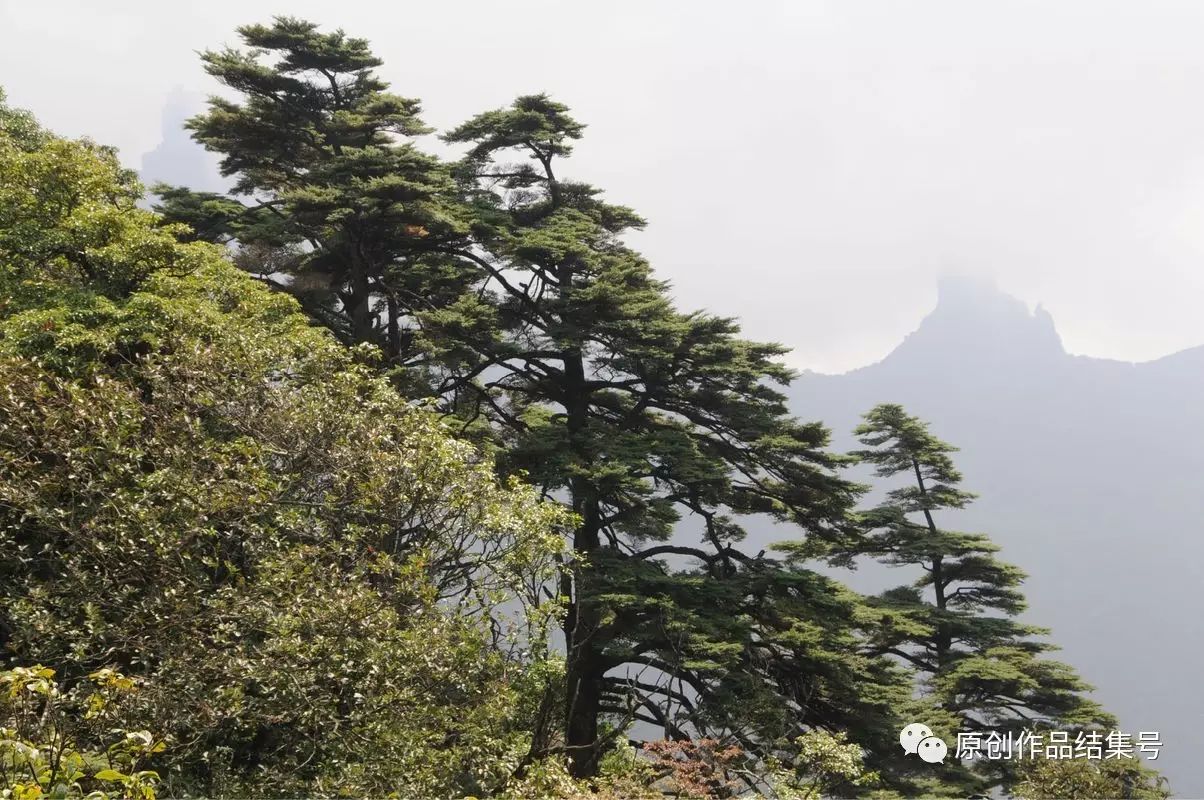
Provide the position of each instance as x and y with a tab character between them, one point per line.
177	159
975	320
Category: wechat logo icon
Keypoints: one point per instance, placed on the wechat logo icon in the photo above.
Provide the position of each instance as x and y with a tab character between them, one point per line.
918	740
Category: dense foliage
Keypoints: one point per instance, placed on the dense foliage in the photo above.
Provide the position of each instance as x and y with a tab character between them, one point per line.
200	489
388	475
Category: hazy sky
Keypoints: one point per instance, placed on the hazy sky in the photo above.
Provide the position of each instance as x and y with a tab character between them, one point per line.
810	167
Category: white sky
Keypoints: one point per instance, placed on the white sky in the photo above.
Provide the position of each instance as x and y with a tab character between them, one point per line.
810	167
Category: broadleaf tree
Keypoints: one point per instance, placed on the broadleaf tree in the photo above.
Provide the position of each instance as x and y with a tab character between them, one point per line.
310	585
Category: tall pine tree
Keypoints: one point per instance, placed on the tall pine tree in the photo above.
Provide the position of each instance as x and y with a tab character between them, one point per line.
978	660
650	422
329	188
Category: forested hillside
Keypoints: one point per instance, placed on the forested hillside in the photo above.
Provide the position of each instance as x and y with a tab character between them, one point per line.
388	474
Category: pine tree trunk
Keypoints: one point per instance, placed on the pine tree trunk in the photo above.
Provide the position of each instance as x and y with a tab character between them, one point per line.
394	329
360	309
943	640
361	318
586	668
584	697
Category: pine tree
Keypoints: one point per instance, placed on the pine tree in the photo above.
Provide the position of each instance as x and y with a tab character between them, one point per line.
979	661
641	417
335	193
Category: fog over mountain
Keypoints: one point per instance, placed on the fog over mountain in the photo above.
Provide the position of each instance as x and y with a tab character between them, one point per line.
1091	476
177	159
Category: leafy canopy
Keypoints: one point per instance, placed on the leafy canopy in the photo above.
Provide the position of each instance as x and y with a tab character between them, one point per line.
199	489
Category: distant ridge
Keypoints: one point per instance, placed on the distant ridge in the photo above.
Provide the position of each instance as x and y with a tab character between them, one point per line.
1091	476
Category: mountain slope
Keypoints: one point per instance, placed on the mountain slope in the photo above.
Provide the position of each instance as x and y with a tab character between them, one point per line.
1091	476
